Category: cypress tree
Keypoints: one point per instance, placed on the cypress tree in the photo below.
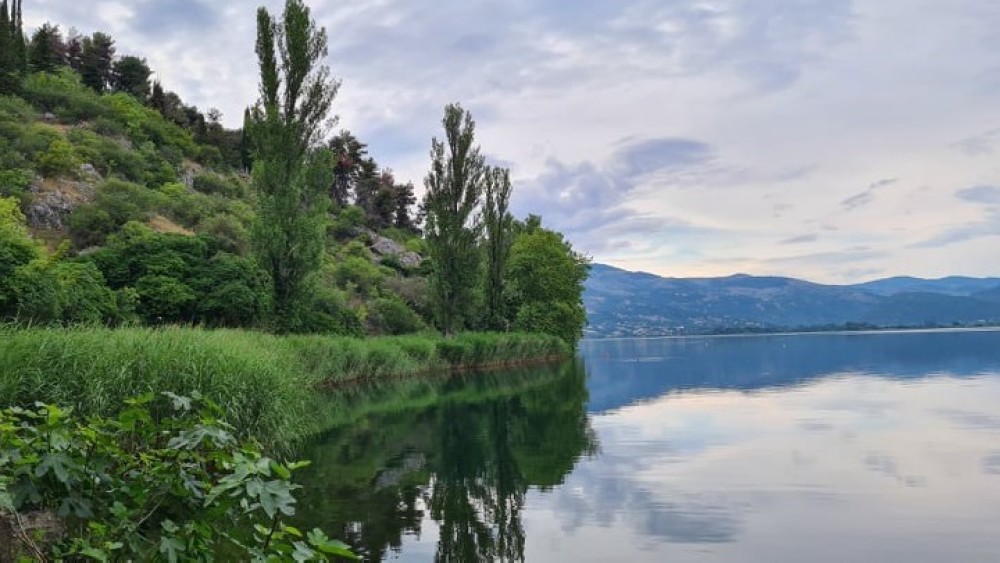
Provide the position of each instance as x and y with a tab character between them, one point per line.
8	56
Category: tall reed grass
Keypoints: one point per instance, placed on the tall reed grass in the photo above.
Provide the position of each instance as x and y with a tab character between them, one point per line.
266	384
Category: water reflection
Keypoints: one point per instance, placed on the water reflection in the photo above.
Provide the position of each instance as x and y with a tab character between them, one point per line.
813	448
461	452
625	371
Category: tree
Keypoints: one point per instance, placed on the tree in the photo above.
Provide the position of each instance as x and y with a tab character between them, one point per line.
47	51
290	174
74	49
454	185
13	59
96	61
131	75
404	201
349	152
499	230
545	283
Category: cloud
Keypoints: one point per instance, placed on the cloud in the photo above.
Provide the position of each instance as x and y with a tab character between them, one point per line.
980	194
592	204
867	196
811	237
989	226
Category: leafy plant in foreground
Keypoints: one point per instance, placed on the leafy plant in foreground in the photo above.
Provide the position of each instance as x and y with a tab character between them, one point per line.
165	479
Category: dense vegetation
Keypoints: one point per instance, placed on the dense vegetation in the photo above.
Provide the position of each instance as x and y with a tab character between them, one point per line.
262	381
164	480
120	204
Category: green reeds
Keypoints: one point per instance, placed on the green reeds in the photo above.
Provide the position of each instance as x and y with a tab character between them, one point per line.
266	384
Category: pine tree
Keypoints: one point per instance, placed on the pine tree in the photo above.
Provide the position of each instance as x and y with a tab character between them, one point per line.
131	75
404	202
97	61
454	186
349	152
47	51
290	174
74	50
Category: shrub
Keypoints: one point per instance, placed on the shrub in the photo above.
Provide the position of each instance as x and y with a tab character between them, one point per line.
63	94
164	479
393	316
59	160
215	184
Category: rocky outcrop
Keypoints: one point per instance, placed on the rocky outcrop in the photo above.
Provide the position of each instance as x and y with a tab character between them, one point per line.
383	247
53	199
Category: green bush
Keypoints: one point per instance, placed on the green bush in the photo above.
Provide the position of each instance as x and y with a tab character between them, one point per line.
164	480
63	94
215	184
59	160
392	316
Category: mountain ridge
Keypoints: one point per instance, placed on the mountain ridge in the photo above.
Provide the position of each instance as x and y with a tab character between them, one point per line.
624	303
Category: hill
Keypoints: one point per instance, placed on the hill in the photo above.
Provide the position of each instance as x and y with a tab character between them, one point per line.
622	303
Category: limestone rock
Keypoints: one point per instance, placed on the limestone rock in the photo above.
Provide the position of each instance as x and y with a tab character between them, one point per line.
53	199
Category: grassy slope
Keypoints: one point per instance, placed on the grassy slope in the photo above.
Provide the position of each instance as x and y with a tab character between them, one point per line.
265	383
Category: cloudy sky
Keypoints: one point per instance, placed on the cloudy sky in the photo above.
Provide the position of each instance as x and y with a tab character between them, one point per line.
830	140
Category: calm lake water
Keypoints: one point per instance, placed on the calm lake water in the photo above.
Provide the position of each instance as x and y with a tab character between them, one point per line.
863	447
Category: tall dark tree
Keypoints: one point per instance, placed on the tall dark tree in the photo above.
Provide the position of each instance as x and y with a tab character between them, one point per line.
158	98
366	184
74	49
290	173
383	204
404	201
97	60
13	59
350	153
499	231
454	186
131	75
47	51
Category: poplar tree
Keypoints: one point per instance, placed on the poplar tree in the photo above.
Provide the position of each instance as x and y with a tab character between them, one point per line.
499	230
454	186
291	175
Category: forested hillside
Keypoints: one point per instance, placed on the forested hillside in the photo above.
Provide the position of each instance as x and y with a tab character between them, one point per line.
121	203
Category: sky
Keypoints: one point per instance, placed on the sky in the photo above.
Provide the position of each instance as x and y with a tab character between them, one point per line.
829	140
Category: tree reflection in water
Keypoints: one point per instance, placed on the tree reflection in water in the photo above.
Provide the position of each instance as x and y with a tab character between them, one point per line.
465	449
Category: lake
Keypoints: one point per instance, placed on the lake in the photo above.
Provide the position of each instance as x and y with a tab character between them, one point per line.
835	447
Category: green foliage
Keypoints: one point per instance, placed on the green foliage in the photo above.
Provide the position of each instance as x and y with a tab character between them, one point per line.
42	290
209	183
63	94
45	291
390	315
454	186
346	222
357	274
116	204
59	160
15	183
545	284
184	279
499	230
131	76
291	177
166	479
263	382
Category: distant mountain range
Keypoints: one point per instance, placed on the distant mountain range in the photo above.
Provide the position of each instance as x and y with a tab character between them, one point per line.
623	303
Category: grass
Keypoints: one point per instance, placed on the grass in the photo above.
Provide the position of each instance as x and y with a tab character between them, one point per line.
266	384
